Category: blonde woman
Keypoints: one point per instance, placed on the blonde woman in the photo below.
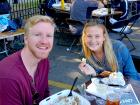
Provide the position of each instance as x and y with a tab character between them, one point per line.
103	55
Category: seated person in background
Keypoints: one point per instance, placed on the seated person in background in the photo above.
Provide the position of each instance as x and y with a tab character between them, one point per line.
78	11
4	7
104	3
45	5
117	5
103	55
135	7
138	6
120	5
24	74
49	3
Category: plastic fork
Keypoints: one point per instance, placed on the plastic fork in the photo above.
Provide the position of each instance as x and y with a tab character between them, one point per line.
70	94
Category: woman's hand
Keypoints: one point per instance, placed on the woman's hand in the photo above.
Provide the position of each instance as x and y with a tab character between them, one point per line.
100	4
104	74
72	29
87	69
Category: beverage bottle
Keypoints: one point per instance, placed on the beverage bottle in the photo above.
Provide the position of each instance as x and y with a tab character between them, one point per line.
109	6
62	4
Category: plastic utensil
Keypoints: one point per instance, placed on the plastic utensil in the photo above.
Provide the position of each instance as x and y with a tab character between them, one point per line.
70	94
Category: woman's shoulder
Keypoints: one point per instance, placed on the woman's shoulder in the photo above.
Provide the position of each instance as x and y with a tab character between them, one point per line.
119	46
117	43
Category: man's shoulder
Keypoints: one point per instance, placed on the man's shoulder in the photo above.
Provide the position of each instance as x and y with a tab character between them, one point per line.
9	65
10	59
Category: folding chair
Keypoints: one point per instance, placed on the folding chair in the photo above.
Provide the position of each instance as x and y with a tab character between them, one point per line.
133	19
76	36
122	24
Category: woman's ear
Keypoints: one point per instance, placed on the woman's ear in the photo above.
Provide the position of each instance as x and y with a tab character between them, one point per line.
104	34
25	39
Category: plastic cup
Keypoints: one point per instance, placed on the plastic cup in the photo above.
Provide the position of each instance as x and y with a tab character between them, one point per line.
113	99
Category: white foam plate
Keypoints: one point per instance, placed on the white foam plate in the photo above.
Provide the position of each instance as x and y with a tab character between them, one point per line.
56	5
101	11
55	99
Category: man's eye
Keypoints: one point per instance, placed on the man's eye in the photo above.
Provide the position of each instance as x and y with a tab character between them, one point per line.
37	34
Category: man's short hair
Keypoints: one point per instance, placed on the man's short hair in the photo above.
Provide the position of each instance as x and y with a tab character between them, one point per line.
36	19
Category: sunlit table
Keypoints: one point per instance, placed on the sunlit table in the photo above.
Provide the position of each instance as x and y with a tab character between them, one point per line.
66	7
103	12
135	84
5	35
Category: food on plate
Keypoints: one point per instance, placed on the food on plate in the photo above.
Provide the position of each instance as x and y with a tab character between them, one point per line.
115	78
101	11
65	100
104	74
62	98
84	60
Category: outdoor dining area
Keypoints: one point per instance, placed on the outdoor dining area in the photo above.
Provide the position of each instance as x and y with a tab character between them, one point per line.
63	16
73	77
95	93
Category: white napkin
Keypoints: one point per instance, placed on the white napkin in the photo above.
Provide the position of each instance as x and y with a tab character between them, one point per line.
56	5
98	89
101	11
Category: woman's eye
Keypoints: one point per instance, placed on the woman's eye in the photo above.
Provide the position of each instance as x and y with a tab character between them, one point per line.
49	35
89	36
97	36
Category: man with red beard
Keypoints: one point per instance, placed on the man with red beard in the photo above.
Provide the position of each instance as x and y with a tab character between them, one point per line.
24	74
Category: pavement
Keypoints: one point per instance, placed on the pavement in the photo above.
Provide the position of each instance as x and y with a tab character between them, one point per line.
64	69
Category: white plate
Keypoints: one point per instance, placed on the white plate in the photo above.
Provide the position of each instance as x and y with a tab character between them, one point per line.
99	90
101	11
55	99
56	5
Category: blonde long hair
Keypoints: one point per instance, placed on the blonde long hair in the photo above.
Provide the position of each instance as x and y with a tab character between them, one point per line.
107	45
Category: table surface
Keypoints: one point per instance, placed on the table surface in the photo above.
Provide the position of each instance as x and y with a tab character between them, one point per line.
133	0
4	35
66	7
107	15
135	84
